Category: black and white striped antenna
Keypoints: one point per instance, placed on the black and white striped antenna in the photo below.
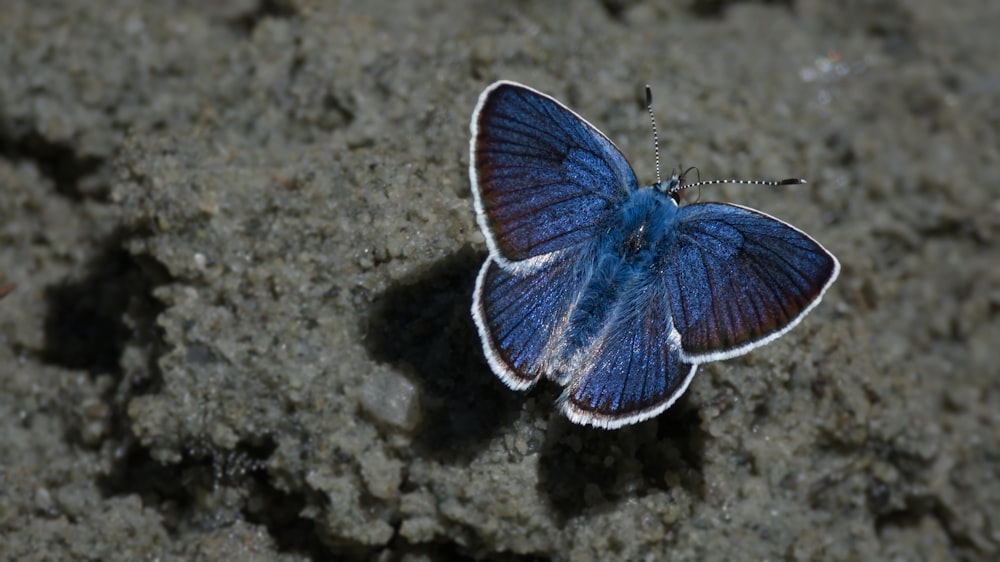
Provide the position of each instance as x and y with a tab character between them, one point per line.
656	139
681	185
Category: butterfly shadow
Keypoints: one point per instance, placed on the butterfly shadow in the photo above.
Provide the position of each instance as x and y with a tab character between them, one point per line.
587	469
422	327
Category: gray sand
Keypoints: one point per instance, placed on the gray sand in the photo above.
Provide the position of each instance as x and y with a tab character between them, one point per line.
244	245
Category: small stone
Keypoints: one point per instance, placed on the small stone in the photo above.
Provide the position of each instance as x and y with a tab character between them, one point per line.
392	399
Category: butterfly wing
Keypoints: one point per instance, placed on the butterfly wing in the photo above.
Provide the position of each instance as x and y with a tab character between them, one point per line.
521	316
737	279
543	178
634	370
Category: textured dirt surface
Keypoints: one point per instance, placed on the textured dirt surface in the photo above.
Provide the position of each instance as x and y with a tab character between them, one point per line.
244	247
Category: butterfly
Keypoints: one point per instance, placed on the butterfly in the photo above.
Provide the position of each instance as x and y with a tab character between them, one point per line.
615	291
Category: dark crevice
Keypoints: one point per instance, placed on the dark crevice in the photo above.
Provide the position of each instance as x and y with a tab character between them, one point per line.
178	490
90	320
277	510
145	376
400	549
716	8
162	487
246	22
60	162
340	111
280	512
616	8
85	324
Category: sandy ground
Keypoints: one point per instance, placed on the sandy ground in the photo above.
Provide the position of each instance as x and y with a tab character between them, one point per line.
244	247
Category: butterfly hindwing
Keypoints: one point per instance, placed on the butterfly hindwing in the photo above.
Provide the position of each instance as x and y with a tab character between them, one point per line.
520	316
543	178
739	278
634	369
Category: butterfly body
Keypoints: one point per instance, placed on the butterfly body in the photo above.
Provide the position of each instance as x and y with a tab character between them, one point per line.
617	266
614	290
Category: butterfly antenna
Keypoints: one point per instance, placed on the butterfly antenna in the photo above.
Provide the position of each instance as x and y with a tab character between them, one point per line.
772	183
656	139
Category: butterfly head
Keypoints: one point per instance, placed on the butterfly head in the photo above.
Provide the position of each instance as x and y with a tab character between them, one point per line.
675	185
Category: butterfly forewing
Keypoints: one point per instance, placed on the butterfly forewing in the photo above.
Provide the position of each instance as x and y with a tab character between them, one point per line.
544	179
738	278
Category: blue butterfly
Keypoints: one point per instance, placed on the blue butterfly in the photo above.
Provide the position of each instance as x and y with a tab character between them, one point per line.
610	289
